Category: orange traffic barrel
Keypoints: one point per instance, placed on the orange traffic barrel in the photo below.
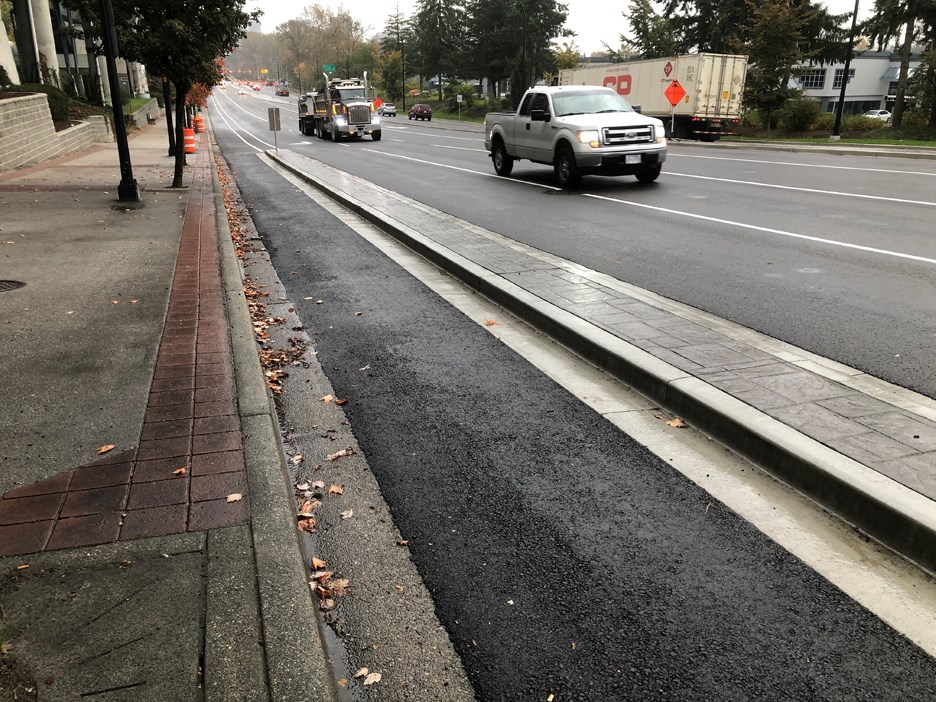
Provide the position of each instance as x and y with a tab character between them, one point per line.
199	124
188	138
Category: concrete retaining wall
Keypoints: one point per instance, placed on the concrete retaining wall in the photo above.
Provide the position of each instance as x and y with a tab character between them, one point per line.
28	136
138	118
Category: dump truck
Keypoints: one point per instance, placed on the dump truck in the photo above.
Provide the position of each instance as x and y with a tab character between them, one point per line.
338	110
713	86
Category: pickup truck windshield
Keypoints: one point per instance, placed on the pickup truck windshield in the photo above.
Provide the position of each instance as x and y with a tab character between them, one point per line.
589	102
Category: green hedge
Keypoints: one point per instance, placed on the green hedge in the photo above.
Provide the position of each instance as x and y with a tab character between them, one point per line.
58	100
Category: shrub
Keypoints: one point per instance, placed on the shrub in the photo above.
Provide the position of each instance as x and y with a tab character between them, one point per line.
825	122
798	114
860	123
466	90
4	77
58	100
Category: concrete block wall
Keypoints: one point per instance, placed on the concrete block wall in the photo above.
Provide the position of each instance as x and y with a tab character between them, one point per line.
28	136
138	118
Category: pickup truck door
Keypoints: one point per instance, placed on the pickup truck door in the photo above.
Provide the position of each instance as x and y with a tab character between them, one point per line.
521	123
534	135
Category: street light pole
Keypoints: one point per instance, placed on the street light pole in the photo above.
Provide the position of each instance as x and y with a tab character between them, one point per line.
837	128
127	190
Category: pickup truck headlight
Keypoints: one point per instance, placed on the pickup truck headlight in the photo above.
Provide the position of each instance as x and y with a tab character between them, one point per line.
660	134
590	137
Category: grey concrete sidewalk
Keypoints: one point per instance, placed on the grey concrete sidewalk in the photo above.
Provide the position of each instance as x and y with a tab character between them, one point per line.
861	447
126	577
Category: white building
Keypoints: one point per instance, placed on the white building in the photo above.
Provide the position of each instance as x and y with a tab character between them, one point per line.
872	83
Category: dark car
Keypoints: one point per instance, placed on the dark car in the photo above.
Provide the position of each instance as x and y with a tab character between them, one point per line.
282	90
420	111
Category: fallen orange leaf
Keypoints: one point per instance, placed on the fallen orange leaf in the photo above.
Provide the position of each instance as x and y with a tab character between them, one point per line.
307	524
677	422
327	604
361	672
347	514
328	398
235	497
335	490
21	567
490	323
341	454
317	563
105	449
180	471
372	678
341	402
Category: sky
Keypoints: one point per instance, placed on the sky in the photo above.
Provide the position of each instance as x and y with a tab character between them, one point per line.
593	21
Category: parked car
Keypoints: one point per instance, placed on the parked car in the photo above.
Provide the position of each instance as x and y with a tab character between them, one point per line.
387	109
282	90
241	92
420	111
882	115
257	88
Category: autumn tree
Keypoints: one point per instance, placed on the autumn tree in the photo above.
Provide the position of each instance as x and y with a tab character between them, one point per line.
567	55
180	40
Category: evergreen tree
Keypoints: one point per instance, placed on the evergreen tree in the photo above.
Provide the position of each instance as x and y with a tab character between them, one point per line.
438	25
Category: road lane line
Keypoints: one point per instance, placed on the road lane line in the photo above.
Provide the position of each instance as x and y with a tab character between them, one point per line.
459	148
222	114
464	170
804	190
767	230
802	165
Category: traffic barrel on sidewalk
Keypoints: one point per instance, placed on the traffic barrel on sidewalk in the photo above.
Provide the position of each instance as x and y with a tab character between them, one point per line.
199	124
188	139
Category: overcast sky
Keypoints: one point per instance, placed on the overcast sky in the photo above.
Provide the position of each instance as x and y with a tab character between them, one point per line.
592	20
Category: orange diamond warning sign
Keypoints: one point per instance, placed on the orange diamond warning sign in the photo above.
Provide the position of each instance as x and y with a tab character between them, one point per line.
674	92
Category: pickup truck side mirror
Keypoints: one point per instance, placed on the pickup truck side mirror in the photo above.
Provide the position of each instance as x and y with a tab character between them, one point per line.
636	108
539	116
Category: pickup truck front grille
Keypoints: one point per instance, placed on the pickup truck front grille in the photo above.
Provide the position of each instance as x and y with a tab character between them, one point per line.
628	135
359	114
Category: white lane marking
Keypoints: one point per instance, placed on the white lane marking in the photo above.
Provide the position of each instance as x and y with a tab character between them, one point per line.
234	129
244	109
802	165
768	230
804	190
464	170
459	148
442	136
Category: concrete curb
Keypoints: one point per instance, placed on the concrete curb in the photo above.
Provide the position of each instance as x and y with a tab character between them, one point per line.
848	150
893	514
297	665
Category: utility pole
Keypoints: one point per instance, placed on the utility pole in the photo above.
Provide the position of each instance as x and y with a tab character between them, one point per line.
127	190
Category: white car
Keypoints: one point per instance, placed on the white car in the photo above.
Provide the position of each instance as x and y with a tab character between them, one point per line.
882	115
241	92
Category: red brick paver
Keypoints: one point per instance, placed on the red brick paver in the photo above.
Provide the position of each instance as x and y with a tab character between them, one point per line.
191	423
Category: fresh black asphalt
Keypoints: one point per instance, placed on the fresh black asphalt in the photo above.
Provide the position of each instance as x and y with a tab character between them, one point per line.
562	556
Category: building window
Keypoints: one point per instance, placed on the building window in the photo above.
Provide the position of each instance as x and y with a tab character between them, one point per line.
839	72
814	78
892	88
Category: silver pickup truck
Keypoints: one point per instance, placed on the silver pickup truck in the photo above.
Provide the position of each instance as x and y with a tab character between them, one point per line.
578	130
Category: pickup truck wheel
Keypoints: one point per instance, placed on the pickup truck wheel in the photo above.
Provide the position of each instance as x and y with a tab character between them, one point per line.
375	136
503	164
650	175
567	173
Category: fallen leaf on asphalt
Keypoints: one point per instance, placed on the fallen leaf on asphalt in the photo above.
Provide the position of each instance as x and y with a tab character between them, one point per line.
677	422
403	542
551	697
115	302
573	645
361	673
335	490
367	367
302	487
6	646
341	402
358	314
398	588
490	323
327	604
307	524
317	563
343	682
296	460
347	514
318	485
133	302
510	602
305	509
372	678
105	449
328	398
235	497
7	242
180	471
339	586
322	574
22	567
307	298
341	454
319	302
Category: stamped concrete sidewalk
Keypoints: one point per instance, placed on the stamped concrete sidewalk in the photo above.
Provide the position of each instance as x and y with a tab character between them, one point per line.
862	447
168	566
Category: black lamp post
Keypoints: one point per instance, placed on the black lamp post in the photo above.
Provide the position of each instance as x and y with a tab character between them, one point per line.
837	128
523	74
127	190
